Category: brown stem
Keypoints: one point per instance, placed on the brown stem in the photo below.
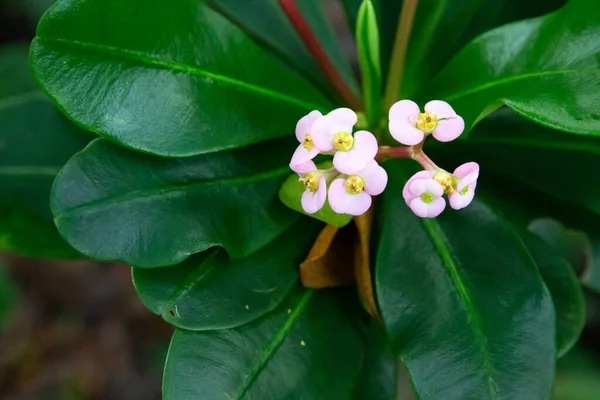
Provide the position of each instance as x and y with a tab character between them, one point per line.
290	8
386	152
396	72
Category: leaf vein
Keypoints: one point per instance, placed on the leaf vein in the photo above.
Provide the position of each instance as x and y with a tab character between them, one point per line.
152	61
432	229
274	344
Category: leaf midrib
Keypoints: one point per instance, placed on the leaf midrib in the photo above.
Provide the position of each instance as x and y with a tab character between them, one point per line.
511	79
155	62
433	230
274	344
167	189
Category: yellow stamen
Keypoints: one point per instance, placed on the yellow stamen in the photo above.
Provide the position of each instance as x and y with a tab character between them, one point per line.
445	179
427	197
354	184
307	143
464	190
427	122
311	180
343	141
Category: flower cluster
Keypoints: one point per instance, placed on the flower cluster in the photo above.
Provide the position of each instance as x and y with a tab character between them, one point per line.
356	175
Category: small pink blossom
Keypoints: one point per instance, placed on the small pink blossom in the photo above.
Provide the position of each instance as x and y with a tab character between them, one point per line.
352	195
466	175
409	126
333	132
423	195
314	181
306	151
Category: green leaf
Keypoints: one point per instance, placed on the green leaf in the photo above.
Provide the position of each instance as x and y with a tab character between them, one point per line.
367	41
210	291
379	374
544	68
441	28
114	204
35	141
565	289
307	349
461	298
167	78
266	22
291	192
573	245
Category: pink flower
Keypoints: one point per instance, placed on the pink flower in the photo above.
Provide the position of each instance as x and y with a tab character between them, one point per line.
466	177
423	195
352	195
333	132
314	181
409	125
306	151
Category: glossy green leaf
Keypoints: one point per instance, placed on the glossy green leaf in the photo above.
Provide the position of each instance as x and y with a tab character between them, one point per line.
565	289
308	348
378	379
210	291
367	42
462	301
291	192
441	28
35	141
114	204
544	68
168	78
267	23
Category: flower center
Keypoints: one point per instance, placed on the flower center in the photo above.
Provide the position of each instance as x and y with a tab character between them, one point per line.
427	197
464	190
446	180
307	143
311	180
354	184
343	141
427	122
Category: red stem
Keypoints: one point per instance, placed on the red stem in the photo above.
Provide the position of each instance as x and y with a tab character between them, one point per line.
314	47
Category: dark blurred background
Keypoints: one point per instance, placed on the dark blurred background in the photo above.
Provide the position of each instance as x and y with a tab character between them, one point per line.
72	329
77	330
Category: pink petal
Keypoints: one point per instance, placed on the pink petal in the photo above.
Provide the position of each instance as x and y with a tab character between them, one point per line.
323	129
402	128
418	186
449	129
435	188
427	210
304	168
356	159
301	156
469	180
419	175
458	201
314	201
436	207
343	202
375	178
305	123
441	108
466	169
404	109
